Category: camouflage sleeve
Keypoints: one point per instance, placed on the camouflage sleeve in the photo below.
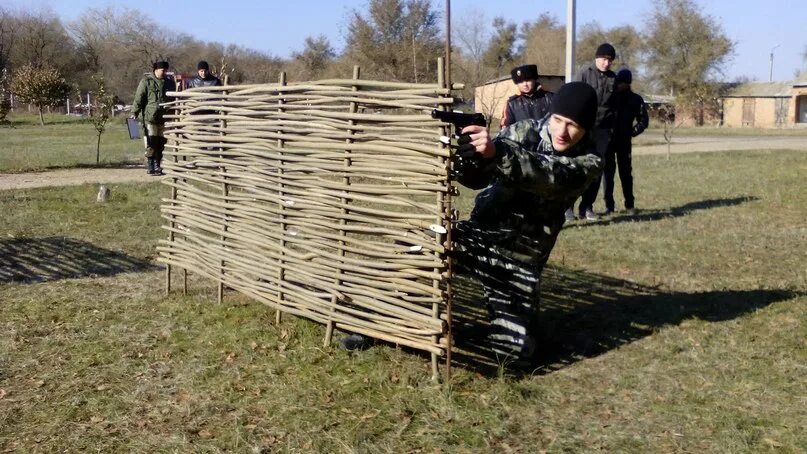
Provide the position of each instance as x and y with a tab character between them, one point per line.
140	99
521	164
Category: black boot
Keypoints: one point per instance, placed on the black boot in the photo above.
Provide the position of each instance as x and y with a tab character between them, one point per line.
150	166
356	342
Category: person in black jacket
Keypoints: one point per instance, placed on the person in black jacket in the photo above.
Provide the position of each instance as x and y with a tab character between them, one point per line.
601	78
532	101
631	120
203	78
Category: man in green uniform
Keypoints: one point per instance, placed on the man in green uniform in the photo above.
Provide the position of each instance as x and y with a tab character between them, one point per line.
150	94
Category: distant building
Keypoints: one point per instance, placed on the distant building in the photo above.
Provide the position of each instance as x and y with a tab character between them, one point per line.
490	98
766	105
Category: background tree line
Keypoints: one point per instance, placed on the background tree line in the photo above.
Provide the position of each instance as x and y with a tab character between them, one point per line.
679	49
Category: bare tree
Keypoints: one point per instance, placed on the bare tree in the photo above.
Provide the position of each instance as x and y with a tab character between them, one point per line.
5	92
544	44
315	56
41	40
472	38
7	37
501	51
395	39
686	50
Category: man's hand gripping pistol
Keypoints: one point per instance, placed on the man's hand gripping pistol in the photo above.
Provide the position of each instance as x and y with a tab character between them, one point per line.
465	158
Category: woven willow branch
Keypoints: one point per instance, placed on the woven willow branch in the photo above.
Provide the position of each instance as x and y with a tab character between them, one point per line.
328	200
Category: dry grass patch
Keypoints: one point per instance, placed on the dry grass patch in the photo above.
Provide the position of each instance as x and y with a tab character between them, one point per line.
679	330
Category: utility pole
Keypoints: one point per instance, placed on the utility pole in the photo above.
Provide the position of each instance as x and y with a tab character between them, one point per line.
570	36
448	44
770	75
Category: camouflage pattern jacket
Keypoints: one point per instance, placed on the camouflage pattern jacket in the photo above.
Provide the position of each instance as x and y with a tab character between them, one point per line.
150	93
520	213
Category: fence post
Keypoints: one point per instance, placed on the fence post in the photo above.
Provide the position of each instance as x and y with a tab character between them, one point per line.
280	271
225	191
346	180
447	214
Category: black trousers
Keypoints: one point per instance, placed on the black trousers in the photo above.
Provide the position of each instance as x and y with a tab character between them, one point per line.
618	156
602	138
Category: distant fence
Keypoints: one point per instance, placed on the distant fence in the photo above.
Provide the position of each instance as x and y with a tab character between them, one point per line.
329	200
71	106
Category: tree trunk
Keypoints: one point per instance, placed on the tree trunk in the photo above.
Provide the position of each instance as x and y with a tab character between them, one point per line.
41	118
98	150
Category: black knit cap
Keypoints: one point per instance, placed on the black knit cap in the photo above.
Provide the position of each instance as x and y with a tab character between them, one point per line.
524	72
202	65
576	101
605	50
624	76
159	65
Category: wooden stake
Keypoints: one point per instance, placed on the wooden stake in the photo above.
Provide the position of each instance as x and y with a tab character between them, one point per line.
346	181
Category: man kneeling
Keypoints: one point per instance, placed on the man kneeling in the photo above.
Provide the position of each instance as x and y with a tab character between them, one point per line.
532	172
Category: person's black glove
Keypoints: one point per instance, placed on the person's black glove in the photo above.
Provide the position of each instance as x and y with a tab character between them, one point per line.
465	149
466	159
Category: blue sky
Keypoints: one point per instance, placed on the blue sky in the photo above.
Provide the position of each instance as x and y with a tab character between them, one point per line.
279	27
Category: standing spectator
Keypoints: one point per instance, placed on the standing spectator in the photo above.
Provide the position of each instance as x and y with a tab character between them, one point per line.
601	78
631	120
148	100
532	101
203	78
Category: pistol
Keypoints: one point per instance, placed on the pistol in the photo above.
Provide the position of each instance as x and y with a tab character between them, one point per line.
464	164
459	119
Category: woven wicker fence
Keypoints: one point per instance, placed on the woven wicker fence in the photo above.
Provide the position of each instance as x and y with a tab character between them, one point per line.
329	200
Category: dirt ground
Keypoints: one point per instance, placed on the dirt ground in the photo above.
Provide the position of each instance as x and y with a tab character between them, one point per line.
651	143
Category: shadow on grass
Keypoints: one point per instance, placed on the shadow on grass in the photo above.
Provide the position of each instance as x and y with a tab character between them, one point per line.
674	212
585	315
49	259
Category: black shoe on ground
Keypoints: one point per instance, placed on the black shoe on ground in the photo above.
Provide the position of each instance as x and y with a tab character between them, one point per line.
355	342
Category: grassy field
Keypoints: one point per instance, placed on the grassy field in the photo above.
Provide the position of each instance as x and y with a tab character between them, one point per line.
711	131
679	330
64	141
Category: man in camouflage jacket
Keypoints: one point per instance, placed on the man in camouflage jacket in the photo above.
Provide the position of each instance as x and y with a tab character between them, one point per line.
532	171
150	94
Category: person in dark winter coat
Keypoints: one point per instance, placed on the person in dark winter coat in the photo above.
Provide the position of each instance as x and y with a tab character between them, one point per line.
631	120
203	78
151	93
532	101
601	78
532	171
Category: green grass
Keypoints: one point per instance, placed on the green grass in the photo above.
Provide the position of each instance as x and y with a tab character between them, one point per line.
64	141
680	330
711	131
